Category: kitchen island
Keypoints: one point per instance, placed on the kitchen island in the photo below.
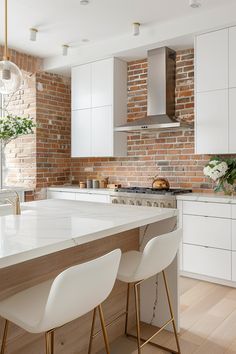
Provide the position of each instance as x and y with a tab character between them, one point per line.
52	235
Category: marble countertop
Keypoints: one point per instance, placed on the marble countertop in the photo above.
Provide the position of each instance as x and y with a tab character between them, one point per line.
208	197
48	226
77	189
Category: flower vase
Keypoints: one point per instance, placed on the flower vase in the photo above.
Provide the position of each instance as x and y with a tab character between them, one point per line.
228	189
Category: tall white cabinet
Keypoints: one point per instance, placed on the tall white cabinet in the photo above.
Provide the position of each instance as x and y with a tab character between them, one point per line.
215	92
99	103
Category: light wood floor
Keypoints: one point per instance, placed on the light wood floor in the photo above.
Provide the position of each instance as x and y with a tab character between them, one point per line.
208	322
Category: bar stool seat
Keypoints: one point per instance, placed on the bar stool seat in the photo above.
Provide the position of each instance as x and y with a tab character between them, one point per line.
52	304
136	267
25	313
128	266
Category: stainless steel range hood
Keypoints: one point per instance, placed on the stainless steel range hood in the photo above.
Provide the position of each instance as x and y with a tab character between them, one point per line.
161	94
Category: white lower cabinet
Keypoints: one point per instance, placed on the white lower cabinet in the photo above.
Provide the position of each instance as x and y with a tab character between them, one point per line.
234	266
207	261
86	197
207	231
209	240
60	195
99	198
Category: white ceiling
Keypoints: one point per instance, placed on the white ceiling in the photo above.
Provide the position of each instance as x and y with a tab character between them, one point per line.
67	22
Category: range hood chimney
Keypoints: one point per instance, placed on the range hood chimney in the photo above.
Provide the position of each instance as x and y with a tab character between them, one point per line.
161	94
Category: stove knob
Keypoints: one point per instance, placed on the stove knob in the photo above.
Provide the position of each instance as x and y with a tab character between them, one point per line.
131	202
138	202
155	204
149	204
169	205
122	201
162	205
114	201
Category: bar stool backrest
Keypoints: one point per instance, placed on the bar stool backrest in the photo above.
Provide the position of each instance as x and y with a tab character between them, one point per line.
80	289
158	254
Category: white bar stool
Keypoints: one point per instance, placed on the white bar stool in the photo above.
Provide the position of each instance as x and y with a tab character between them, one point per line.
52	304
136	267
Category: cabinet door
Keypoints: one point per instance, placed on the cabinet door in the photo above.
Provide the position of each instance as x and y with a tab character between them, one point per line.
207	231
212	122
102	131
81	133
212	61
99	198
232	57
81	87
102	82
60	195
232	120
207	261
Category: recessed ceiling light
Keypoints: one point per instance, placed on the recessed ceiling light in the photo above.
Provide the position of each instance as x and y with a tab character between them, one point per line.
136	28
195	3
84	2
85	40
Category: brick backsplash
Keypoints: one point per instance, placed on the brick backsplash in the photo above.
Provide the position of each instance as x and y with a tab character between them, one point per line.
44	159
169	154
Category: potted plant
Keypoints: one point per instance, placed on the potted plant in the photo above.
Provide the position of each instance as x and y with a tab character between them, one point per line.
11	127
223	172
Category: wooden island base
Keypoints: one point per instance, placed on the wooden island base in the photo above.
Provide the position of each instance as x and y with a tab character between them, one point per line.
73	338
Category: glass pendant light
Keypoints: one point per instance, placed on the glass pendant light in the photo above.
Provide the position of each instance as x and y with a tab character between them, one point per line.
10	75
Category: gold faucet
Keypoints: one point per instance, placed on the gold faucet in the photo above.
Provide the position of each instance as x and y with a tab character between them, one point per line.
11	197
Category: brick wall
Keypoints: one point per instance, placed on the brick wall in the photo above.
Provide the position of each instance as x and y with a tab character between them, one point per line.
21	153
53	113
42	159
169	154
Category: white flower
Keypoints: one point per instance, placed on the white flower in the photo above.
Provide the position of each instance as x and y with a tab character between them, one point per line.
215	169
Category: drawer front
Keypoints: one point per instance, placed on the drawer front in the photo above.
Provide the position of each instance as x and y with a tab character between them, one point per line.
99	198
207	231
234	211
207	261
234	266
234	235
60	195
207	209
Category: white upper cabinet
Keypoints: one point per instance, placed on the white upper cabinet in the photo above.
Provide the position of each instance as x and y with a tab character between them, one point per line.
215	85
102	83
81	132
81	87
102	131
99	103
232	57
212	122
212	61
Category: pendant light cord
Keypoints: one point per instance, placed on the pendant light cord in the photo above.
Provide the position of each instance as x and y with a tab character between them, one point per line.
6	33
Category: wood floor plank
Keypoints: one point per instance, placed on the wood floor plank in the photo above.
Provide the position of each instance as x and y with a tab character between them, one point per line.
208	322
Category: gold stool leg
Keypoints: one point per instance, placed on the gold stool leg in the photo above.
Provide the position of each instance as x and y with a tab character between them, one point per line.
49	341
92	330
104	330
137	310
127	309
52	342
4	339
171	311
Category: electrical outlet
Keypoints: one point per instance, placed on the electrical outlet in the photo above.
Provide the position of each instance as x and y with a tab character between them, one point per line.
88	169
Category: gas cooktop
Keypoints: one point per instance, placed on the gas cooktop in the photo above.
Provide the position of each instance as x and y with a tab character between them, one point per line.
144	190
